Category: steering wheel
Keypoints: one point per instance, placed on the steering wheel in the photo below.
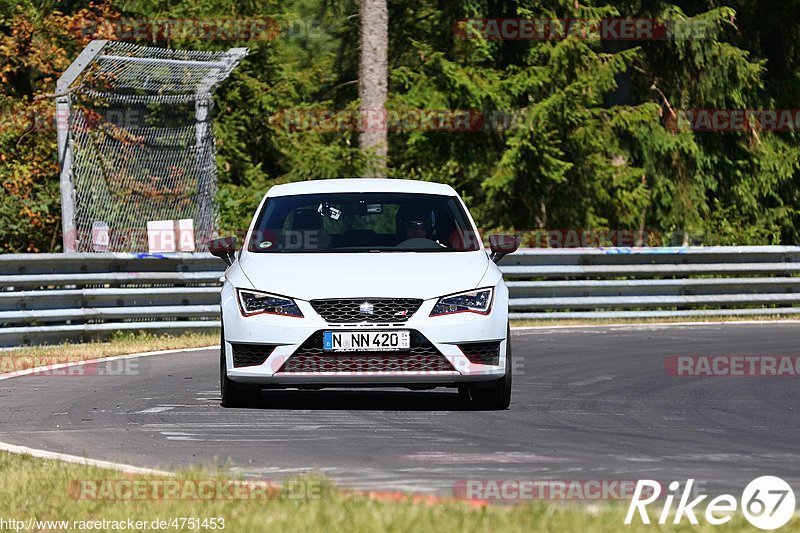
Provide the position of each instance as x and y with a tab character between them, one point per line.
419	243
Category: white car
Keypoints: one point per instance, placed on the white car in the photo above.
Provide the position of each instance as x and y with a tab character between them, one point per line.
364	283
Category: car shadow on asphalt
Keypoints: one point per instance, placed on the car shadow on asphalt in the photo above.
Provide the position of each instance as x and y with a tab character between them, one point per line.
361	400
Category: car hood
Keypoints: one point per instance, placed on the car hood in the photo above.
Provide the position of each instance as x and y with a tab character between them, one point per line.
365	275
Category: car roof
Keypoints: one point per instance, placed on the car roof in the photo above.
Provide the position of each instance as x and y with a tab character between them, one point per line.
361	185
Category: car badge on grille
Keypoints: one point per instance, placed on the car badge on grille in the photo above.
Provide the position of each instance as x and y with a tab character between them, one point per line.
366	309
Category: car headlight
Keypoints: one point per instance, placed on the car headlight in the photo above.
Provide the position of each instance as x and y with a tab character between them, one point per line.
477	301
256	303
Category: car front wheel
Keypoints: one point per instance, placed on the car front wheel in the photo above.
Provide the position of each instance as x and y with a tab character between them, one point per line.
232	395
497	395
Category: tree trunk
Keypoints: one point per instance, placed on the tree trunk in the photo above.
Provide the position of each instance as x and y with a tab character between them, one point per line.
373	82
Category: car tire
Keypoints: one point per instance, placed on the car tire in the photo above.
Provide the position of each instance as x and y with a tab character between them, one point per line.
496	396
232	395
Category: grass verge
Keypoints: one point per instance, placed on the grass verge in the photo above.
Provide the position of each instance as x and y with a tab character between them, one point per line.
121	343
48	490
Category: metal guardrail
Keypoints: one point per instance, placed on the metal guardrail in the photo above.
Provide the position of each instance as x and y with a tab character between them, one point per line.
653	282
55	297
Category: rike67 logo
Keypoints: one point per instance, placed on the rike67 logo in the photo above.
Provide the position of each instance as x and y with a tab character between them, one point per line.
767	502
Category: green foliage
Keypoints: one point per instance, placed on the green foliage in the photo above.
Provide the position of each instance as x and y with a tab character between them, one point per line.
578	160
595	141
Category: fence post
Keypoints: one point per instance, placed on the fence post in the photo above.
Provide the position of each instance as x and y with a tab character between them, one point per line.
70	238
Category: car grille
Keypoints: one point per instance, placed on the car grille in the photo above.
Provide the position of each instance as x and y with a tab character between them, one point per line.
251	354
422	357
482	353
384	310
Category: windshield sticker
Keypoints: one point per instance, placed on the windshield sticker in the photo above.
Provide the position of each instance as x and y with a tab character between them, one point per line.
326	210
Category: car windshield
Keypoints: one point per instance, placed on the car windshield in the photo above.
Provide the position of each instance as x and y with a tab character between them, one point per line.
363	222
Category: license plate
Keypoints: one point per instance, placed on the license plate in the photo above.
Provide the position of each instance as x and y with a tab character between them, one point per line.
365	341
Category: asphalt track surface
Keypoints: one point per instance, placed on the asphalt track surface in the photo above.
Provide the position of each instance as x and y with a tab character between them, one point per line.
588	404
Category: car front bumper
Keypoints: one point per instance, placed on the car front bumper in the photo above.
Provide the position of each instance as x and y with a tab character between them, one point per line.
287	335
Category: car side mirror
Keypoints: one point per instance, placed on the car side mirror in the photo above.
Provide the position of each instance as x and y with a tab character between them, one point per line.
224	248
502	245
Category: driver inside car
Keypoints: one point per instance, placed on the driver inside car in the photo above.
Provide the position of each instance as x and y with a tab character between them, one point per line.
415	222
